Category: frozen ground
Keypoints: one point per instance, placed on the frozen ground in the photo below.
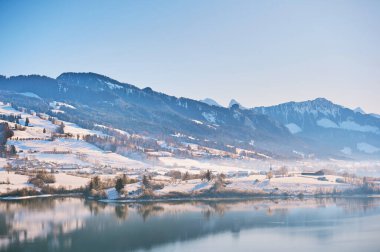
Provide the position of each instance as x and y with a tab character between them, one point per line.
16	181
78	154
81	153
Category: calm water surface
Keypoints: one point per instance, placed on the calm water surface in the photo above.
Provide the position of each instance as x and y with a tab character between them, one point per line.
74	224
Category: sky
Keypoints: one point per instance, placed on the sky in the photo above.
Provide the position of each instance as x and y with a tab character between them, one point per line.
257	52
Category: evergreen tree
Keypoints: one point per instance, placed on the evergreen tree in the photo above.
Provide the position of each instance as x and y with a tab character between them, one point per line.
119	185
27	121
61	128
13	150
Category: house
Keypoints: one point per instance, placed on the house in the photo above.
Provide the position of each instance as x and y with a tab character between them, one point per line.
242	174
43	116
111	193
317	173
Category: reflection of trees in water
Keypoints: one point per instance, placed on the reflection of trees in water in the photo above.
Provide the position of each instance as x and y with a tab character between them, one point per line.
40	204
121	211
181	221
26	221
214	208
355	205
148	210
95	207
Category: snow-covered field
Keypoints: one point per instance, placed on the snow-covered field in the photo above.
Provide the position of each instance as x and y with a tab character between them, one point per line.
80	153
80	156
291	185
16	181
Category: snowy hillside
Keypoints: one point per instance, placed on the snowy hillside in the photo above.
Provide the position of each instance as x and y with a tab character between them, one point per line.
337	129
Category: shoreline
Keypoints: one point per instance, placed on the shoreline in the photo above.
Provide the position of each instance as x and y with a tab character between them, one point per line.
187	199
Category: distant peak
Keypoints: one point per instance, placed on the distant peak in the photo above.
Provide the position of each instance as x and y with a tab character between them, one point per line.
359	110
234	103
211	102
84	75
321	100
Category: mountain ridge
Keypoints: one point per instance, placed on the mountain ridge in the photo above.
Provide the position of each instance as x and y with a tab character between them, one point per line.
283	129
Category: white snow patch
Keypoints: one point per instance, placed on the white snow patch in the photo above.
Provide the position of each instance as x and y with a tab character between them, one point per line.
30	94
293	128
347	125
210	117
76	130
351	125
58	105
375	115
327	123
197	122
211	102
112	85
359	110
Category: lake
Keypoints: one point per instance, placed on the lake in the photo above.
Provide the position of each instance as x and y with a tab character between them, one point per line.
76	224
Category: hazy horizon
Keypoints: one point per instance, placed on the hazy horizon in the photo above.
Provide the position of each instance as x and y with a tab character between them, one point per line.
258	52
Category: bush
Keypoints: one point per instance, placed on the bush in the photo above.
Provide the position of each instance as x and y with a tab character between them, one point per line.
47	178
207	175
174	174
37	182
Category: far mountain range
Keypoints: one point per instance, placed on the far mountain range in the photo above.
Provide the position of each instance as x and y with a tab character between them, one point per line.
315	128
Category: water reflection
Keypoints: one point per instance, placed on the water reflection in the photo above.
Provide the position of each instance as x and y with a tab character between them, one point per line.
76	224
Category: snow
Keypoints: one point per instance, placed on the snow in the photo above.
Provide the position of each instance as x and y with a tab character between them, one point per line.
317	106
211	102
81	153
34	121
375	115
233	102
16	181
189	186
347	125
197	122
210	117
112	193
76	130
69	181
351	125
30	94
122	132
367	148
57	111
58	105
293	128
194	166
359	110
327	123
295	184
113	86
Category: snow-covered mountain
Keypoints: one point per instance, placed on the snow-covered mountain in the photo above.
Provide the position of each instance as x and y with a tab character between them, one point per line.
211	102
329	125
100	100
317	128
375	115
359	110
234	102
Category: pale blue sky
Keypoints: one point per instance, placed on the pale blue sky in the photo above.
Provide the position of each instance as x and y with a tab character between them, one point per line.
258	52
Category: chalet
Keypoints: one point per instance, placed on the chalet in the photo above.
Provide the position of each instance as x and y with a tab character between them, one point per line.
43	116
317	173
242	174
111	193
